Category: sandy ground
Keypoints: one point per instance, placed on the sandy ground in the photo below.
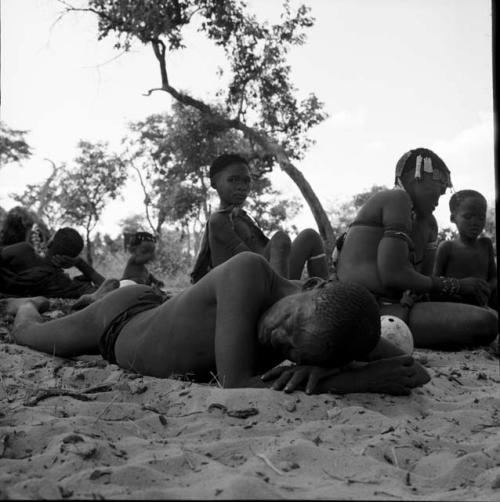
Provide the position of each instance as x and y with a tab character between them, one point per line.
85	429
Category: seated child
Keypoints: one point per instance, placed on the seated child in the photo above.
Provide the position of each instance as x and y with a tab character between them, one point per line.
24	272
142	249
470	255
238	321
230	230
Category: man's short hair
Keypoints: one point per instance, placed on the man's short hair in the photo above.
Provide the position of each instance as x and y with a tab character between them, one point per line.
222	161
458	197
67	241
345	326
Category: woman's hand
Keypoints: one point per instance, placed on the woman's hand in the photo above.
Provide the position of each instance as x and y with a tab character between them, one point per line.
288	378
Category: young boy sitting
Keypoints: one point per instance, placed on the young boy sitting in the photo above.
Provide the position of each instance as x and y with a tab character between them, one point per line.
239	320
470	255
24	272
230	230
142	250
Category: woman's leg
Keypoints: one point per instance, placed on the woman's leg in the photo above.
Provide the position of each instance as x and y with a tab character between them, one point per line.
308	248
443	325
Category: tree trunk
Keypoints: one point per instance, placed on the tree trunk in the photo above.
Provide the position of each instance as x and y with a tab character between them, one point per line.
89	247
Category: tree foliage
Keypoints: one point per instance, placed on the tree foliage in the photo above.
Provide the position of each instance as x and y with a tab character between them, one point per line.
172	154
13	145
96	177
260	100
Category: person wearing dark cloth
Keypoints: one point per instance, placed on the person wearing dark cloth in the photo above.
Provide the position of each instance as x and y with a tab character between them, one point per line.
142	249
471	255
390	249
238	321
230	230
25	273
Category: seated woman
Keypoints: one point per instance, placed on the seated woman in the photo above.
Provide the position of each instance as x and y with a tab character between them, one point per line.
390	249
230	230
239	320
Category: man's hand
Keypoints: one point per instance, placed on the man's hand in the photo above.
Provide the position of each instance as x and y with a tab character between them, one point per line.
64	261
288	378
475	287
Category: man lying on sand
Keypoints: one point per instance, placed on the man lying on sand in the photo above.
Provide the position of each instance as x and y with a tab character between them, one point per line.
238	321
390	249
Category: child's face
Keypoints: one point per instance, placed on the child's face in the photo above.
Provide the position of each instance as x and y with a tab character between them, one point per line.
470	217
233	184
144	252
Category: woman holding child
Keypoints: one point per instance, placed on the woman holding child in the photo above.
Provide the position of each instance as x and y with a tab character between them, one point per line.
390	249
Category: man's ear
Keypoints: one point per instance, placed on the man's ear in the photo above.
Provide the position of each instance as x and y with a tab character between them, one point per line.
278	336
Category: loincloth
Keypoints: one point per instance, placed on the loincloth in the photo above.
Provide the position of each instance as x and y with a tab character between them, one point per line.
135	300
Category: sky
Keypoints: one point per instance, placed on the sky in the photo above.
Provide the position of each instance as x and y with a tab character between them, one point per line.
393	75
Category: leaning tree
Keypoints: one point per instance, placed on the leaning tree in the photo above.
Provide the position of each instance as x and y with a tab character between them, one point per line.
260	99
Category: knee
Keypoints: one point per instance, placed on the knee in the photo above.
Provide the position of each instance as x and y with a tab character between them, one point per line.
489	327
248	269
312	237
281	240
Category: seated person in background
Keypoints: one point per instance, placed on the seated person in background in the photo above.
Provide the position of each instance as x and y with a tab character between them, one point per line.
25	273
22	225
239	320
230	230
470	255
390	249
142	251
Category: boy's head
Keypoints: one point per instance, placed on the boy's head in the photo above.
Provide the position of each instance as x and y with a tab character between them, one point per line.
329	324
468	212
66	241
425	176
230	176
142	246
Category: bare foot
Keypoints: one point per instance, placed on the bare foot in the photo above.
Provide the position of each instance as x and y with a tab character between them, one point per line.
40	302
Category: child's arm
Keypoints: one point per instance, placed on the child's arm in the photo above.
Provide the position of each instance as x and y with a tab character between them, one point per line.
442	257
87	270
224	241
492	267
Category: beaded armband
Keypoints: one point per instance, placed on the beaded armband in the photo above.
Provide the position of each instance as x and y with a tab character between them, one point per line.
447	286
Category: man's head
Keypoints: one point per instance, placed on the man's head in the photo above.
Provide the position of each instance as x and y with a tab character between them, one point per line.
468	212
66	241
425	177
327	324
142	246
230	176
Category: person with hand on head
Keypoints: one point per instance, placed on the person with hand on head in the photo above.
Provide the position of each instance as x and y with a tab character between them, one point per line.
390	249
23	272
230	230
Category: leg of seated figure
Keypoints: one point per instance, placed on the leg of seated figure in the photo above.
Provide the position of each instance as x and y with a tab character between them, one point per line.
277	252
308	248
442	325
